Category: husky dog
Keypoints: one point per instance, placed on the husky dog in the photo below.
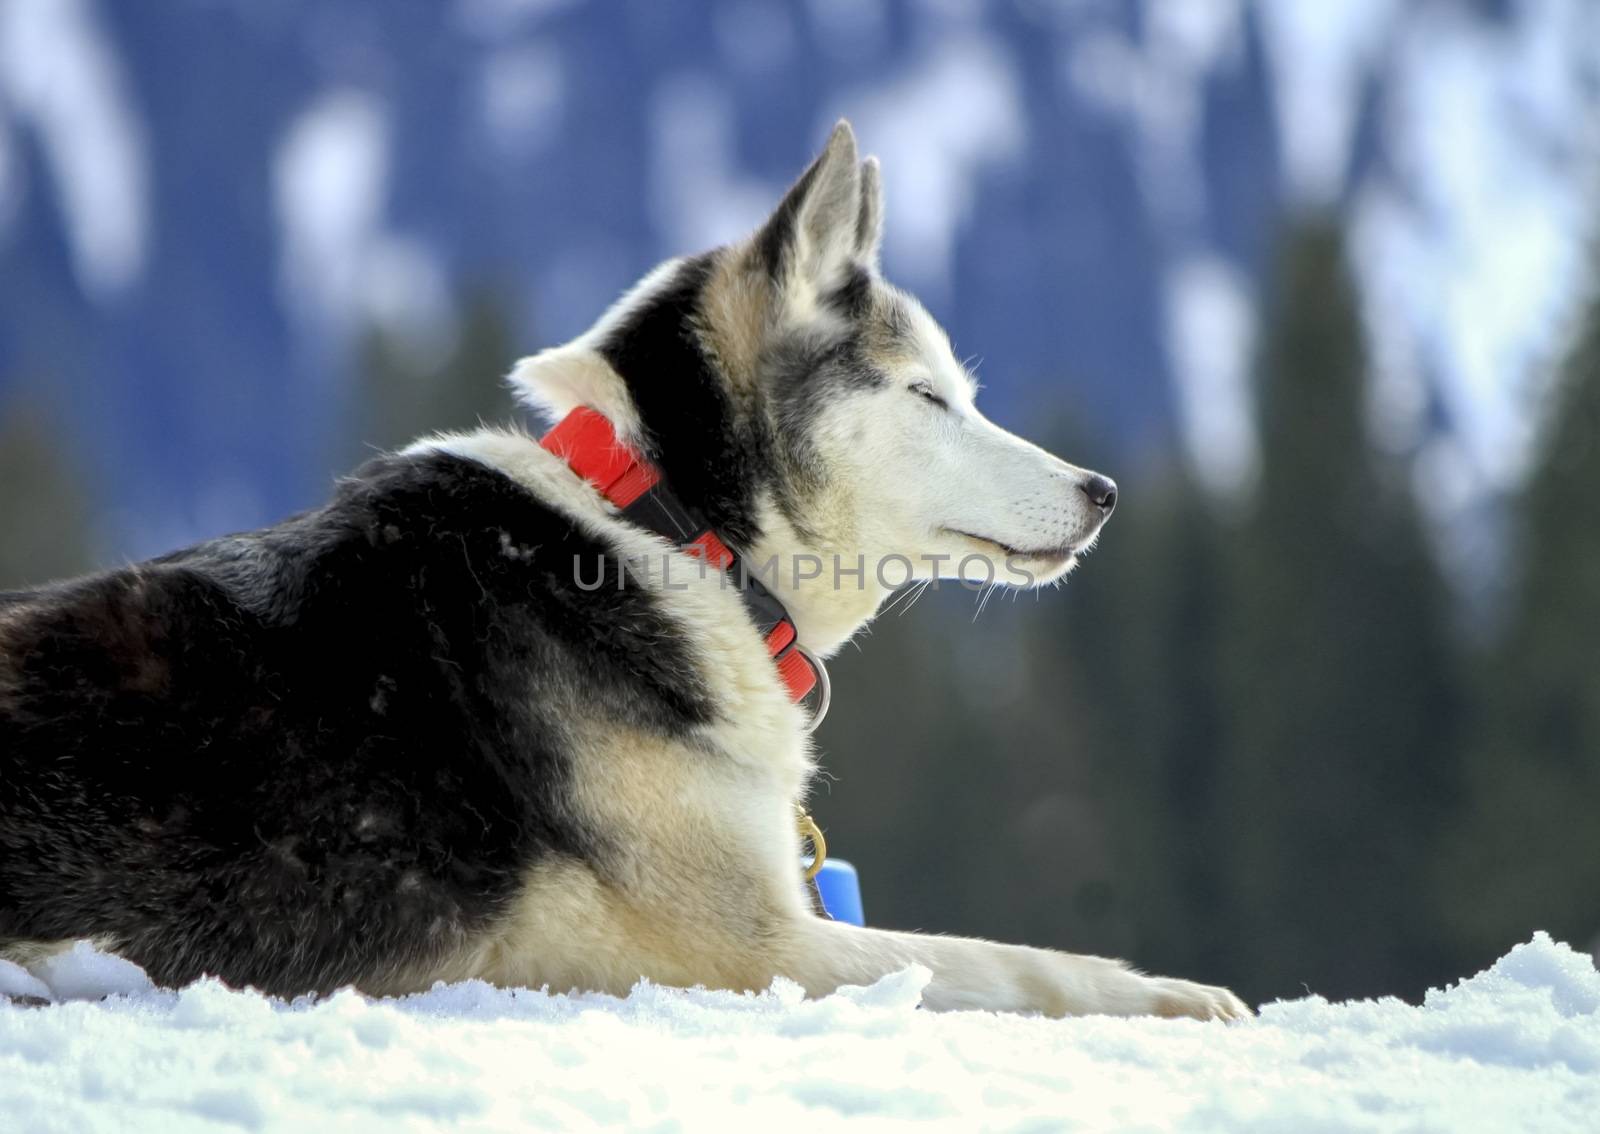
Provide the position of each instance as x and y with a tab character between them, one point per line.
405	737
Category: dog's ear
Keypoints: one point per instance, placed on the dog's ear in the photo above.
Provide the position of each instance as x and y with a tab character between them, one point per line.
828	223
558	380
869	225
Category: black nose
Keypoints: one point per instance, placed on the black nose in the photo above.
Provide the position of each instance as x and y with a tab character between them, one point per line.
1101	491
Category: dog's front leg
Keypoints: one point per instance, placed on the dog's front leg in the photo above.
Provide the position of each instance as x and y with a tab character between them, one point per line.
969	973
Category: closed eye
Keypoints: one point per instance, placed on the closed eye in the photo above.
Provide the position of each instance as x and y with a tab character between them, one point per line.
924	390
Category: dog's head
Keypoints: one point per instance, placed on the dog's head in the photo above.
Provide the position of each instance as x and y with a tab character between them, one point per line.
817	414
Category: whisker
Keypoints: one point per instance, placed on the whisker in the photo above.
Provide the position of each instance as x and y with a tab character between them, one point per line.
916	593
984	596
900	597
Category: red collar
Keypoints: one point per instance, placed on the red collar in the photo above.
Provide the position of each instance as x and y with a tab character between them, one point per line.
588	443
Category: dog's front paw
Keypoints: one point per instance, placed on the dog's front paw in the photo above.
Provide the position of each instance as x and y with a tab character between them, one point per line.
1098	986
1179	998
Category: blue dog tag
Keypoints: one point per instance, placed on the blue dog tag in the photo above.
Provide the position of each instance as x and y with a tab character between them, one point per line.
840	888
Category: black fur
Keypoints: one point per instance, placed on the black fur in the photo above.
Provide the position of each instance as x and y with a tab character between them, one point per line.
315	754
719	455
713	456
853	298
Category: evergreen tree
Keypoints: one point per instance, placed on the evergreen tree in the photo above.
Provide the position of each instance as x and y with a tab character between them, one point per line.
1135	638
1338	761
1527	855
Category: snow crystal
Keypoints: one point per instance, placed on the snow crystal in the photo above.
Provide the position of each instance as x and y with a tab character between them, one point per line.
1515	1047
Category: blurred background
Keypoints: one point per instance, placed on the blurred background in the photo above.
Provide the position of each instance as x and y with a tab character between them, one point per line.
1317	282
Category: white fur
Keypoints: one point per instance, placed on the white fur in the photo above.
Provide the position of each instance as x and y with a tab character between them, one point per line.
559	380
943	491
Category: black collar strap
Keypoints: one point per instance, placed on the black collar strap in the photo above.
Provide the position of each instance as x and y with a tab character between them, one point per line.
588	443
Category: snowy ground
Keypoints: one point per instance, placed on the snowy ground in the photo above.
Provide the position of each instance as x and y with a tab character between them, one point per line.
1516	1047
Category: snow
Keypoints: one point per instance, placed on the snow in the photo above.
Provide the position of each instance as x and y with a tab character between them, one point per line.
699	199
1320	54
1470	236
342	266
1470	240
61	77
85	973
1516	1047
331	176
1211	329
1474	260
18	982
939	126
1154	84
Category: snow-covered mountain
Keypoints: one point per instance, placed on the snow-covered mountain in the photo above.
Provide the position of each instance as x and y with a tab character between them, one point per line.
202	202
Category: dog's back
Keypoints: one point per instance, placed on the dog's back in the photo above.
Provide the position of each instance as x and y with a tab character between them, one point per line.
305	756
